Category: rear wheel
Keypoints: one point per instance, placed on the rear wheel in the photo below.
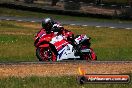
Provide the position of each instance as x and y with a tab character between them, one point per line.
93	55
45	54
89	55
86	56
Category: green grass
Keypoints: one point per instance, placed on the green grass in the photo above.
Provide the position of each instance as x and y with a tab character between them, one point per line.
109	44
52	82
17	41
21	13
16	47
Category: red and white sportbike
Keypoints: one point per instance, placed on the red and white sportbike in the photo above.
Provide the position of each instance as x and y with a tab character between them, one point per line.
52	47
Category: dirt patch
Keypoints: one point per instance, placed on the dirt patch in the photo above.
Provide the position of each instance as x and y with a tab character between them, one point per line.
63	69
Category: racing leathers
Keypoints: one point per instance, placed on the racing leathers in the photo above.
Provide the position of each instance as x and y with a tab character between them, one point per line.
57	29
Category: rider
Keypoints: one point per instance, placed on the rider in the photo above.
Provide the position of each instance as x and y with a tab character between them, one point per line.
49	25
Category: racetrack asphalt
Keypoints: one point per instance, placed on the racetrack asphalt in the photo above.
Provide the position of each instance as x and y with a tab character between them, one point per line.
113	25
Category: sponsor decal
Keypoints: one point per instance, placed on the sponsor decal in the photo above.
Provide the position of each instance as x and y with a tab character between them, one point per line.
101	78
107	78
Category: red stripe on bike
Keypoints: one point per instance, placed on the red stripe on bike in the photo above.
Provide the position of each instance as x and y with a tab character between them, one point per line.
60	44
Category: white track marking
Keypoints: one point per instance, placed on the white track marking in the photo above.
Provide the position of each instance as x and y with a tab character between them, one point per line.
33	21
98	26
128	28
19	20
112	27
84	25
72	24
7	19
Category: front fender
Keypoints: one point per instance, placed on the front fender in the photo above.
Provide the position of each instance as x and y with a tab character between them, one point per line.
44	45
47	45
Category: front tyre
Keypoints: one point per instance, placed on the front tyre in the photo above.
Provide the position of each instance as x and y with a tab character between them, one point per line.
45	54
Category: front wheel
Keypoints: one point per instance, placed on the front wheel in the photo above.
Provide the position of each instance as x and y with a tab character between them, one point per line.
45	54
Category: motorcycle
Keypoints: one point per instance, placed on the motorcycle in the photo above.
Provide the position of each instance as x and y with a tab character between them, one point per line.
53	47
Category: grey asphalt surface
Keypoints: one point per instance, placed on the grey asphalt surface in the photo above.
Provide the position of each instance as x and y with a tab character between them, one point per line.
82	23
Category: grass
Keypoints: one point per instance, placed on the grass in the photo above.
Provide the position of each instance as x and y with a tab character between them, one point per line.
115	44
21	13
52	82
17	41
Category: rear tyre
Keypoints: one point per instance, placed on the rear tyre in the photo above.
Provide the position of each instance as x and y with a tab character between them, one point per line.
93	55
86	56
45	54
